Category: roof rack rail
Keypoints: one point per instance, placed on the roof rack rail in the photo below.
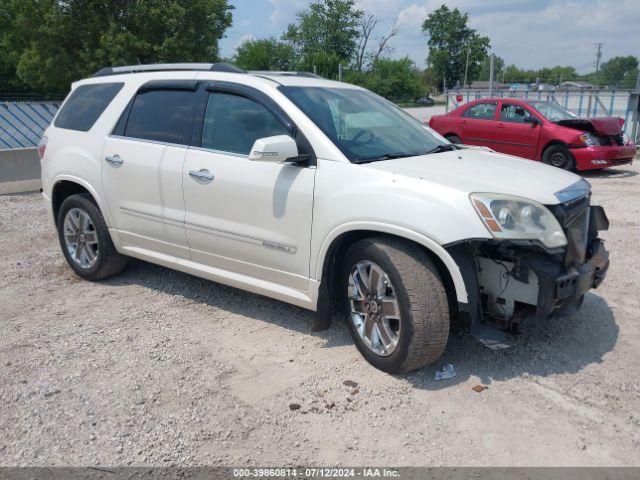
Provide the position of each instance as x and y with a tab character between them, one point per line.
165	67
284	74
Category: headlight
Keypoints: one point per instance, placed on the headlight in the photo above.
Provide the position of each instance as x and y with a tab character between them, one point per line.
517	218
589	139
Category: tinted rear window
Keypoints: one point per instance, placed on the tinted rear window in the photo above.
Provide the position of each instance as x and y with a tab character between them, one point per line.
162	115
85	105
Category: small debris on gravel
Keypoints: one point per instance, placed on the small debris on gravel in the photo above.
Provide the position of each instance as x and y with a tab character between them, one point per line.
447	372
479	388
294	406
350	383
355	391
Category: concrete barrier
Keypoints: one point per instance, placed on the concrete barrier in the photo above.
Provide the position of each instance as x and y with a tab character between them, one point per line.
19	170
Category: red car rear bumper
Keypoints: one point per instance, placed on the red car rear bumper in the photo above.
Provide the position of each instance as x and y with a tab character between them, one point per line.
588	158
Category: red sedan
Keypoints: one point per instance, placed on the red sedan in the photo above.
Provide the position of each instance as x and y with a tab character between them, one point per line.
538	130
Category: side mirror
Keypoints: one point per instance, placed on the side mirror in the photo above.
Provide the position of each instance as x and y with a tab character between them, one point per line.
277	149
532	120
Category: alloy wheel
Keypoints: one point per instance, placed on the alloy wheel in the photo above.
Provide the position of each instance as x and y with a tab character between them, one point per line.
81	238
375	313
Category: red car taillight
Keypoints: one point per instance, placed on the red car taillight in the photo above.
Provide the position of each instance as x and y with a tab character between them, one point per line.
42	146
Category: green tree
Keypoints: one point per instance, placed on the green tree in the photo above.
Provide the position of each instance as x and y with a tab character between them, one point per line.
449	39
396	80
556	75
485	68
265	54
619	72
17	19
325	35
55	43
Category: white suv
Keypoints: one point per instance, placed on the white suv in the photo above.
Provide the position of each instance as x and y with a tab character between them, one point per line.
316	193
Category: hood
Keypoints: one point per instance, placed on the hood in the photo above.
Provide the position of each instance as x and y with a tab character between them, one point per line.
473	170
601	126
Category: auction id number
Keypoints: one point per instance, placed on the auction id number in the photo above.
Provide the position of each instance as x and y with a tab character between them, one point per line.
293	472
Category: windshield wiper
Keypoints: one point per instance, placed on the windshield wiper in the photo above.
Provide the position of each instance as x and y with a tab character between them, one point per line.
386	156
445	147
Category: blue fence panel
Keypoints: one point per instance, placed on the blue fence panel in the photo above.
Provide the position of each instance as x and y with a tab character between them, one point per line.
23	123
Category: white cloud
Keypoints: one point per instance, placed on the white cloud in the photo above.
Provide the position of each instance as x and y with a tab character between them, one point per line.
534	35
244	38
382	8
285	10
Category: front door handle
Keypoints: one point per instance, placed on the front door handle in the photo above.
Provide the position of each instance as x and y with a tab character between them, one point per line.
114	160
203	175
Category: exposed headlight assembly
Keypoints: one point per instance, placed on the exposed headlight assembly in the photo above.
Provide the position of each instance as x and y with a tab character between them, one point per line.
517	218
589	139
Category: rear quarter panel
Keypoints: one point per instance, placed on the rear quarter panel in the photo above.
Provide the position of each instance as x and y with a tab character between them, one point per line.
445	124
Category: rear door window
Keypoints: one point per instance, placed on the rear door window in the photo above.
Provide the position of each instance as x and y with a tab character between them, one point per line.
162	115
233	123
482	111
85	105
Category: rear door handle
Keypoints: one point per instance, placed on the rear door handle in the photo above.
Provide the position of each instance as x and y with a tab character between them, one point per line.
114	160
203	175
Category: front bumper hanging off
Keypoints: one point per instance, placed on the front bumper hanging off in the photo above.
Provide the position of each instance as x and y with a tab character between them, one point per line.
511	282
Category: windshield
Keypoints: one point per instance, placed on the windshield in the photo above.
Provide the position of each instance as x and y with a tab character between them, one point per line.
362	125
552	111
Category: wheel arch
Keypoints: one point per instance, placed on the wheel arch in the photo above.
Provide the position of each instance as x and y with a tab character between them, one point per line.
551	143
67	185
451	134
340	239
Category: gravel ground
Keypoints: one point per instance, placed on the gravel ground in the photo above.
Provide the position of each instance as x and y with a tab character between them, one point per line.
155	367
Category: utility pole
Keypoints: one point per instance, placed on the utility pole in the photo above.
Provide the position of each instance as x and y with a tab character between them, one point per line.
598	57
339	72
445	93
635	105
491	66
466	68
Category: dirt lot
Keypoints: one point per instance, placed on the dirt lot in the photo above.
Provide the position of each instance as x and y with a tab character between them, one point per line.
156	367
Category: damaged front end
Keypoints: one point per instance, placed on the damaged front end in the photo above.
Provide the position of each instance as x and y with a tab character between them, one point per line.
511	281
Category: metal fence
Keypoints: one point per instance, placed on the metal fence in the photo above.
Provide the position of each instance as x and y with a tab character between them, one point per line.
585	103
23	123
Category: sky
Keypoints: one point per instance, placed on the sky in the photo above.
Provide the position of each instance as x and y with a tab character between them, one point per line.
528	33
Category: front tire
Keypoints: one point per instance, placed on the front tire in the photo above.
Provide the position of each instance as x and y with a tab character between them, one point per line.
559	156
85	240
397	307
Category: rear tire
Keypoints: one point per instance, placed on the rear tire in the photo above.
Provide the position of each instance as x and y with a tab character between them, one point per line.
410	277
454	139
559	156
85	239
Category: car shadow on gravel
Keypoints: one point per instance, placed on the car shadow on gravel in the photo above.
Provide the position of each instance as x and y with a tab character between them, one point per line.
609	173
546	347
229	299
